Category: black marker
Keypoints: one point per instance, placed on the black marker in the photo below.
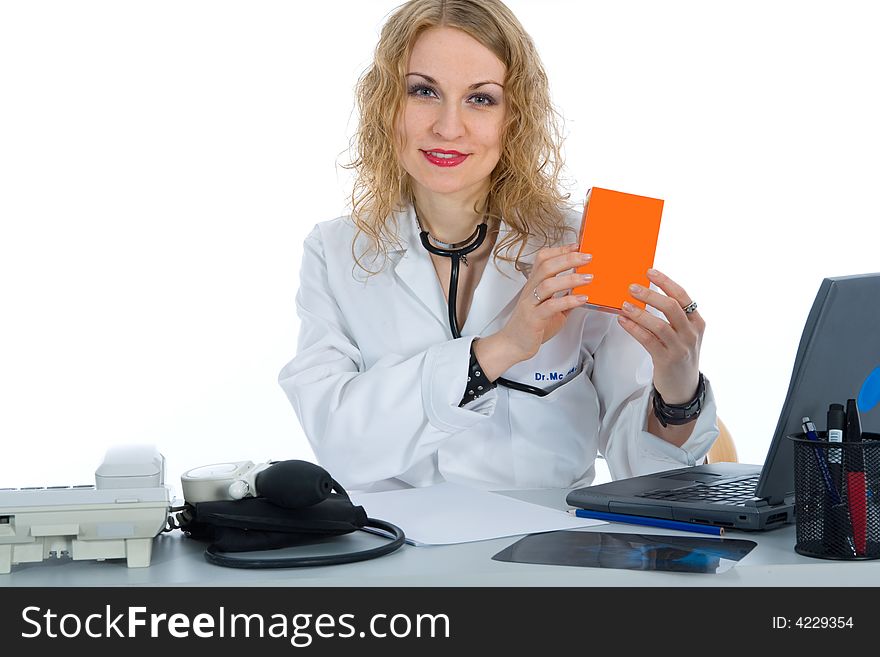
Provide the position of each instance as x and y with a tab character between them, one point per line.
836	423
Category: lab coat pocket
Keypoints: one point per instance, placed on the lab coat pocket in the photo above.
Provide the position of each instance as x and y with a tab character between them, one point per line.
554	437
573	377
547	374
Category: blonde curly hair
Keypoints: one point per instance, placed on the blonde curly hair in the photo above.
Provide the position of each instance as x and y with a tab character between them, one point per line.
525	184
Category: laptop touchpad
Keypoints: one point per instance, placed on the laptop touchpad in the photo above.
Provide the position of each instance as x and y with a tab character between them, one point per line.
707	477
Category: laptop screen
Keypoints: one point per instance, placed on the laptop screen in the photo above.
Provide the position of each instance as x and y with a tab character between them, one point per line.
838	359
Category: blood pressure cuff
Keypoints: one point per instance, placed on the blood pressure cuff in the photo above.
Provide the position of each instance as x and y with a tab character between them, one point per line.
255	523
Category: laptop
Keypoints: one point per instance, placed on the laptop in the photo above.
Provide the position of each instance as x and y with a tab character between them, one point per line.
838	358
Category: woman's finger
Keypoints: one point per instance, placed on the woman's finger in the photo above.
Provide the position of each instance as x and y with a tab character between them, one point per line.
560	305
550	253
665	304
643	336
671	288
557	263
554	284
661	329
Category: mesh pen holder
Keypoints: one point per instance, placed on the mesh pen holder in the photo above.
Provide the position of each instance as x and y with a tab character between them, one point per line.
837	497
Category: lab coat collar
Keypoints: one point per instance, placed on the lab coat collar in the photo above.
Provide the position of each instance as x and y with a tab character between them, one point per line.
499	285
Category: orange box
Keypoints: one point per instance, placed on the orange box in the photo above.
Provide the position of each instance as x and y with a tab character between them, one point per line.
620	231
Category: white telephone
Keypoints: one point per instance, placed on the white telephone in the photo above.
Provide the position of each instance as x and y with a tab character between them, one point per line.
115	518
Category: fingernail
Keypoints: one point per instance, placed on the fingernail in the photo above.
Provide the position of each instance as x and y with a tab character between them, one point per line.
586	278
572	246
653	272
582	298
584	257
628	307
636	289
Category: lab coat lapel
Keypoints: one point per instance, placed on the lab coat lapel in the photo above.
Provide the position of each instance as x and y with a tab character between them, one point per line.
499	286
415	271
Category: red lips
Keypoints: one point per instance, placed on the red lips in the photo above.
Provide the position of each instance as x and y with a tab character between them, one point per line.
443	158
445	152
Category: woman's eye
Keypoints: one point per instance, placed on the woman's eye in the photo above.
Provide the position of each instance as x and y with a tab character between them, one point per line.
483	99
420	90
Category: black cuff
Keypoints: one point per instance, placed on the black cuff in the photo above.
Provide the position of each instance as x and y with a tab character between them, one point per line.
478	383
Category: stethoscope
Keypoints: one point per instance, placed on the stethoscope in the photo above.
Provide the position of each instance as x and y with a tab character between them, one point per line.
457	252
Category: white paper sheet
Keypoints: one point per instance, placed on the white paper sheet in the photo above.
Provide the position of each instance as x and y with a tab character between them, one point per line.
449	513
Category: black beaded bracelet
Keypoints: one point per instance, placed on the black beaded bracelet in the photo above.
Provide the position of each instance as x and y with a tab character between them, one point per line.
478	383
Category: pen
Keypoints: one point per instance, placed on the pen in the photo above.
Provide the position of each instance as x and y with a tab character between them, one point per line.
649	522
836	519
855	478
810	431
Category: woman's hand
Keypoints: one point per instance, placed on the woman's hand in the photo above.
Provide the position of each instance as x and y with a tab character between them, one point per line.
674	345
539	315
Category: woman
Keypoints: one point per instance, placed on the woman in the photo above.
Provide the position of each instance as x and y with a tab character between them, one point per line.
439	340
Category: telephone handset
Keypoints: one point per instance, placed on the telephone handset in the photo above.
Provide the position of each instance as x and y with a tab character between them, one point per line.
241	506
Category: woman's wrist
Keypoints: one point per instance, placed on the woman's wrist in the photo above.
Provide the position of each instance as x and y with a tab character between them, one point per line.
495	354
678	390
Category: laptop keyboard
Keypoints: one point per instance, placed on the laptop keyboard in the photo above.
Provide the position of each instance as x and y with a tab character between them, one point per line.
736	492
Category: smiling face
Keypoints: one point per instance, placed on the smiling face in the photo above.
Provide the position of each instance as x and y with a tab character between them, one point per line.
450	130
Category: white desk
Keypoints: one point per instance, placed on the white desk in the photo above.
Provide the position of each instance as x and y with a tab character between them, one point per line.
179	561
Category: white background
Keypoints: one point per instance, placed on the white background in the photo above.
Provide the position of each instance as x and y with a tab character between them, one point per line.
161	162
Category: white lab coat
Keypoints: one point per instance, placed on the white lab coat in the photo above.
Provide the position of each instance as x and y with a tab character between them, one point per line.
377	379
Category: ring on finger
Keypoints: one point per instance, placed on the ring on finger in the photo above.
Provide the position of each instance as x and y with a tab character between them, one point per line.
535	292
691	307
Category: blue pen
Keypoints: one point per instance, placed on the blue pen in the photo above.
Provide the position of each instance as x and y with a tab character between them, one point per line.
810	431
650	522
838	515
